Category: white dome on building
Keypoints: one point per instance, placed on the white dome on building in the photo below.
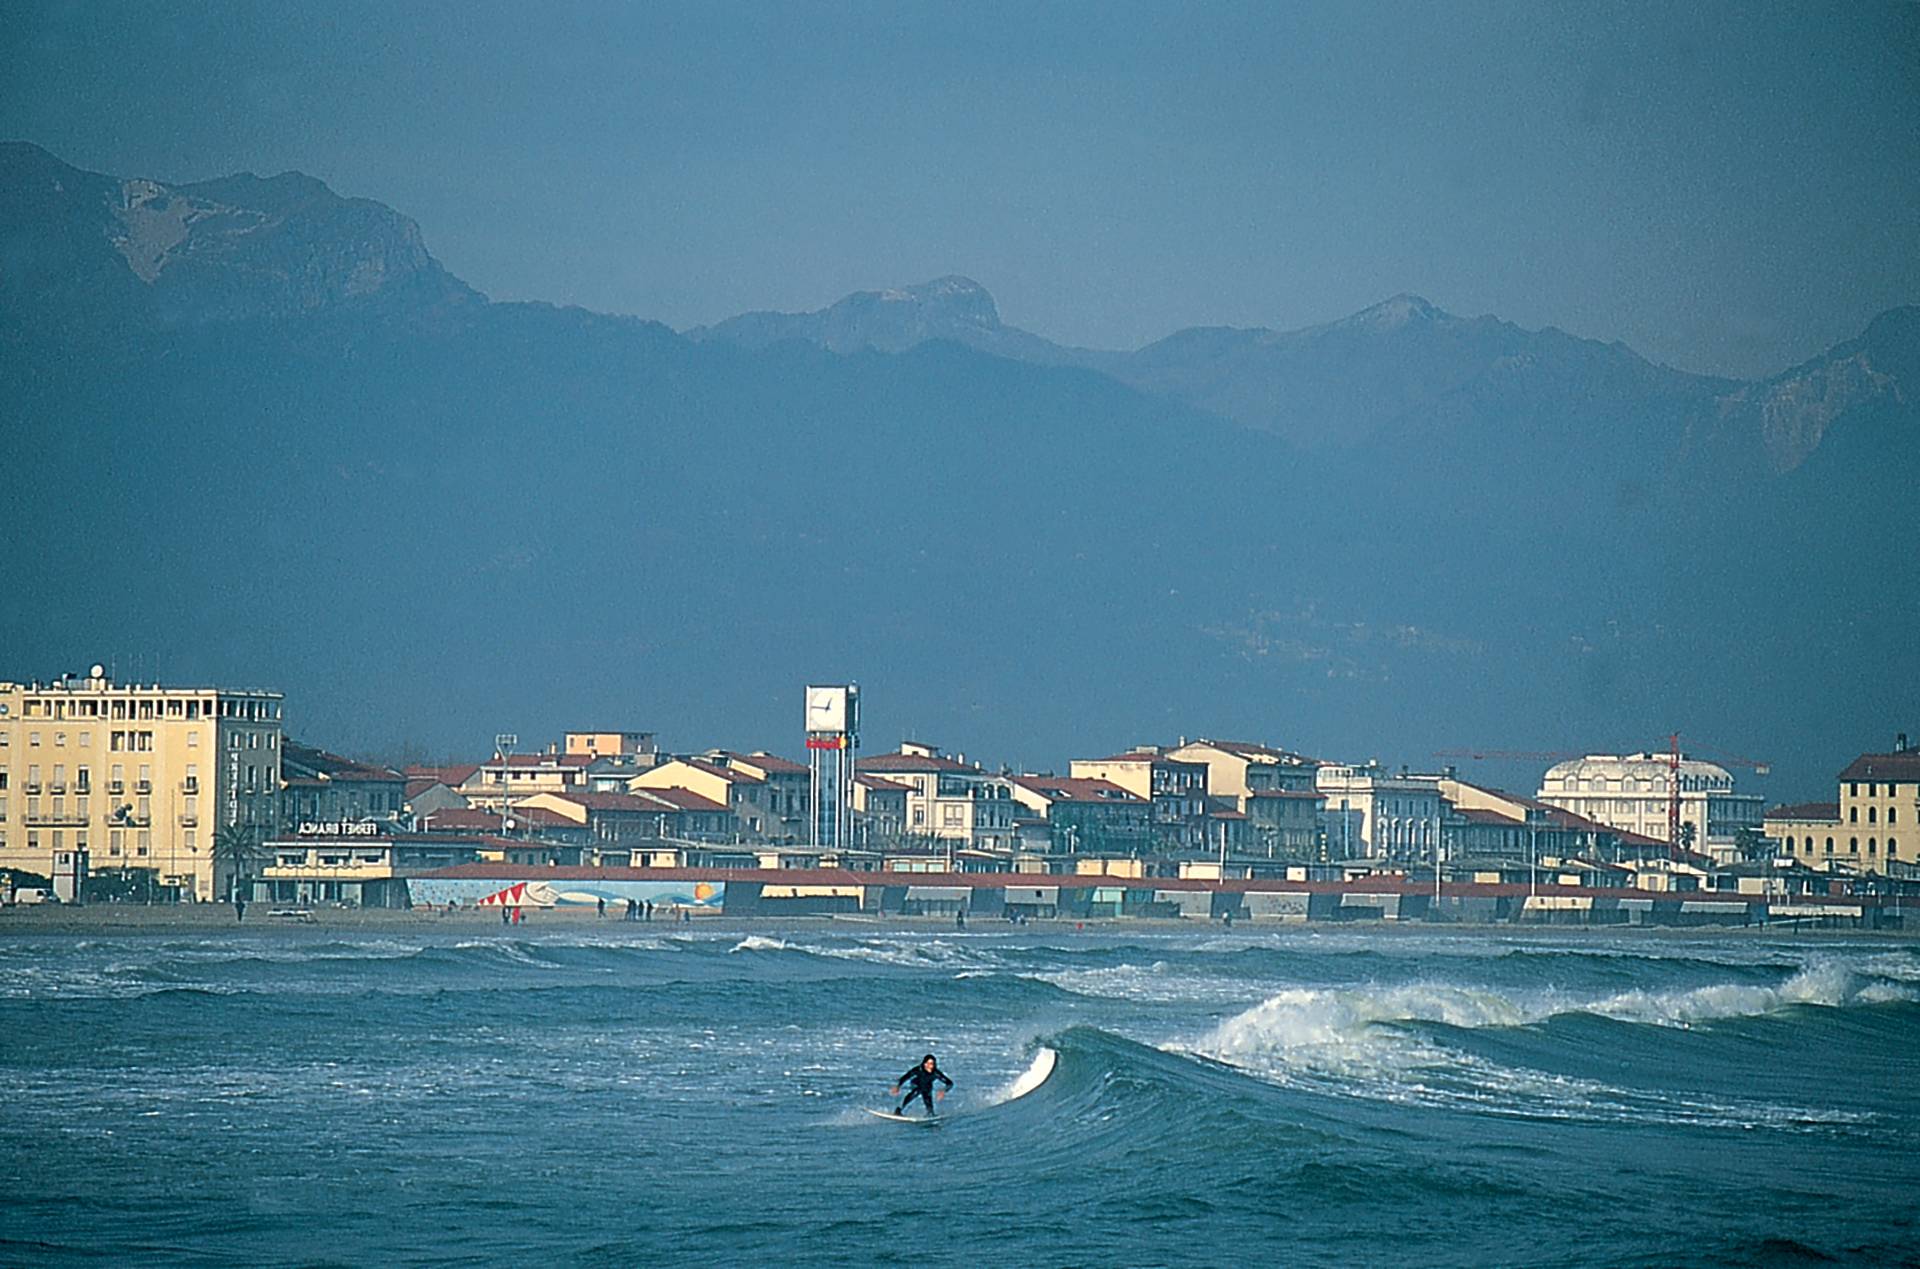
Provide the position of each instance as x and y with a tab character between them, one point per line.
1634	773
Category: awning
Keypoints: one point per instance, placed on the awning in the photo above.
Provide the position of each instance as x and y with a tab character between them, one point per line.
945	893
1276	902
1109	894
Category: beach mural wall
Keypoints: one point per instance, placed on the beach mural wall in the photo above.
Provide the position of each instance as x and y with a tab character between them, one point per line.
511	893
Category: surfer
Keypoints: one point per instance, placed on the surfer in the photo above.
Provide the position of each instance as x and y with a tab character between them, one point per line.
920	1081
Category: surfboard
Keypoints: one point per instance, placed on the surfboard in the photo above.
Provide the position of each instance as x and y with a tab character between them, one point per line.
924	1121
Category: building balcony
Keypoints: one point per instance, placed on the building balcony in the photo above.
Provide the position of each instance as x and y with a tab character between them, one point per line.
58	786
143	786
33	786
116	786
189	819
190	785
56	818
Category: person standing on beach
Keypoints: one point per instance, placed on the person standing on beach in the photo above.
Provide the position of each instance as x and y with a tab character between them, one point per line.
601	904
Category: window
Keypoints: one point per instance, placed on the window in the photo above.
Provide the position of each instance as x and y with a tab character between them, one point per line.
1853	815
1873	815
33	739
1853	845
59	740
1893	848
193	740
86	740
1873	846
116	841
1829	845
1893	814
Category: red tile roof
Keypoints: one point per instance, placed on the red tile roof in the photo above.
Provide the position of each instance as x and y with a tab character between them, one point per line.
1484	815
1903	766
1077	789
610	802
472	819
1248	749
771	763
1152	756
725	773
1807	811
331	766
544	760
908	762
680	799
451	776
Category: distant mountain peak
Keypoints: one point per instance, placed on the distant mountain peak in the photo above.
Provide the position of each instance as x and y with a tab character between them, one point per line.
224	249
1404	309
951	298
890	320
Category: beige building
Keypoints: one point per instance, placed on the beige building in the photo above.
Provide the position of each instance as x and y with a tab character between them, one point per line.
1177	788
1872	826
612	744
948	800
138	777
747	794
1273	788
502	779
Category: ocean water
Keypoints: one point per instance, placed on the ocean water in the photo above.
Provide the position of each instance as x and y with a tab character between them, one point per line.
616	1094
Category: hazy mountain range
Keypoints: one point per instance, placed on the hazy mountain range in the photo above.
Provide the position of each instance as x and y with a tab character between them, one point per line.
262	434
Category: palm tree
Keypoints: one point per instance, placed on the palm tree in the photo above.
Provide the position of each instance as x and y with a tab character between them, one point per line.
235	847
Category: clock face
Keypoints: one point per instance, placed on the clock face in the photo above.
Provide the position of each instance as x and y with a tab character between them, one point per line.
826	709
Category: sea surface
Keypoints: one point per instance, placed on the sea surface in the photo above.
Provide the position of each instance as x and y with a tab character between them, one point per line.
638	1094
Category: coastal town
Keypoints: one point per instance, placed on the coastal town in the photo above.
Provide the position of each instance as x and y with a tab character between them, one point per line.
144	793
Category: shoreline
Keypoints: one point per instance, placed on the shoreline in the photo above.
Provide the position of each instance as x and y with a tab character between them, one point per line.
162	919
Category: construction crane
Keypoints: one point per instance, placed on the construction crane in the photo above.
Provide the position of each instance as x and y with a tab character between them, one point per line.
1672	756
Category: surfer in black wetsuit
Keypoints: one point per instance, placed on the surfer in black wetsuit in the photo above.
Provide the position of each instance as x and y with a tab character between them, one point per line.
920	1082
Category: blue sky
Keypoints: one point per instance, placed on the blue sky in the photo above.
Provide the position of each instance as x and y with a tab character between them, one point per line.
1726	188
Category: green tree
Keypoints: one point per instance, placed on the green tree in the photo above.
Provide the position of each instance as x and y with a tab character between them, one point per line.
236	849
1687	834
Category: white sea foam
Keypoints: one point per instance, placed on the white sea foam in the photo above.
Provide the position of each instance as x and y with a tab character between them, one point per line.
1155	983
1033	1077
761	943
1342	1041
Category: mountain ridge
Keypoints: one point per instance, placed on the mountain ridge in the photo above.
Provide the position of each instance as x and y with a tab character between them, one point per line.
1440	528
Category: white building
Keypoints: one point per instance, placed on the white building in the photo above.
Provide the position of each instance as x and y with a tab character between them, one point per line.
1631	793
1373	814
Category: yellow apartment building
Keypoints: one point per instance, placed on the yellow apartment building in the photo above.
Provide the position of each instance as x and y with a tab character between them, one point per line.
136	776
1872	825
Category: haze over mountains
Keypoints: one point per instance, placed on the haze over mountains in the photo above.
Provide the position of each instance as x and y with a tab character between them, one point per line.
261	434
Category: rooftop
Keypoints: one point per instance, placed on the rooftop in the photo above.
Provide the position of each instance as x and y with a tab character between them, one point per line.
1902	765
1076	789
1828	811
